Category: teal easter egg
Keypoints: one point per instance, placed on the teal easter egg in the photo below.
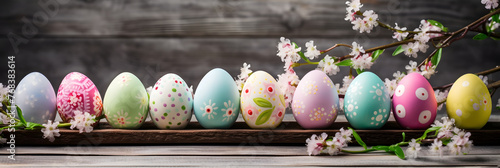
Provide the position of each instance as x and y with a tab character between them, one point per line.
367	104
126	102
36	98
216	100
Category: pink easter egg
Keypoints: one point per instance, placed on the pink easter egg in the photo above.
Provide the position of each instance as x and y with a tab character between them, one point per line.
414	104
78	92
315	101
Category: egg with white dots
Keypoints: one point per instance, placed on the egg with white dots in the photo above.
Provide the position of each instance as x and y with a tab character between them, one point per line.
469	102
414	102
262	102
367	104
36	98
171	103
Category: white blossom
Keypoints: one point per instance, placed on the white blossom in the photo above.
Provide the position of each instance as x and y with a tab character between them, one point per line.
490	4
441	98
288	50
356	49
288	82
446	130
149	89
311	51
245	70
239	83
50	130
498	103
413	148
398	76
412	67
390	85
350	16
362	62
83	121
428	70
315	144
484	79
411	49
328	65
400	34
4	118
437	147
353	6
370	18
4	92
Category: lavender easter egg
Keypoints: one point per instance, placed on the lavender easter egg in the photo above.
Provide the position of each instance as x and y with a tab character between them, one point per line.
77	92
414	104
262	102
367	103
171	103
315	101
36	98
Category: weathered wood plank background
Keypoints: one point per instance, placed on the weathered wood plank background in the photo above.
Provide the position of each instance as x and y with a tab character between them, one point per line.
189	37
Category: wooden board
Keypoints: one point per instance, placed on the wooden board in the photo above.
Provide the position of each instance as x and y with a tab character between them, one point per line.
240	156
240	133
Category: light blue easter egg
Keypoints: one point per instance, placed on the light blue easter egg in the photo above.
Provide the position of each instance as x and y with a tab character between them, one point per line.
367	103
216	100
36	98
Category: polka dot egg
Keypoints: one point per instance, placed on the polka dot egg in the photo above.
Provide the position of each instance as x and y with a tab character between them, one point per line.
125	103
262	103
78	92
469	102
216	100
36	98
414	103
315	101
170	103
367	103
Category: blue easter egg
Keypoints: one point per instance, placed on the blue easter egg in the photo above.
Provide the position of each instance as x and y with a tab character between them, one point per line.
36	98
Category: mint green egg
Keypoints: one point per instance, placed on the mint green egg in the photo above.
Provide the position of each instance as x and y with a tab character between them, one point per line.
126	102
367	103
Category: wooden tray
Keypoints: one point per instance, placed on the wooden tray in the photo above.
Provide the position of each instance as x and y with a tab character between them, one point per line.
288	133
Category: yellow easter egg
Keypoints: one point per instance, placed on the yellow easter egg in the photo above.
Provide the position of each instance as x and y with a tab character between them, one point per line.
469	102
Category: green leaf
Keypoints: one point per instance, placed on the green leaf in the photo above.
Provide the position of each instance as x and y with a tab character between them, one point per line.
494	38
404	136
32	126
429	130
480	36
358	138
377	54
359	71
384	148
303	56
346	62
498	107
398	151
264	116
496	18
398	50
437	57
261	102
438	24
20	115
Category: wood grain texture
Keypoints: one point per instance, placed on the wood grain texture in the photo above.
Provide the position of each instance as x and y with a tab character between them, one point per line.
240	133
188	18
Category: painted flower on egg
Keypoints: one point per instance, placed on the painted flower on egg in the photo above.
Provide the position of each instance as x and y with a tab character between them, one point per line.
262	103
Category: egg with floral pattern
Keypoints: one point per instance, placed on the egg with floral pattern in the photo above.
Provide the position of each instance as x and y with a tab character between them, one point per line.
36	98
216	100
315	101
78	92
414	103
171	103
126	102
367	104
469	102
262	103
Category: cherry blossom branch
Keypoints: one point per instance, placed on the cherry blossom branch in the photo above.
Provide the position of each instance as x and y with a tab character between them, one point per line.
335	46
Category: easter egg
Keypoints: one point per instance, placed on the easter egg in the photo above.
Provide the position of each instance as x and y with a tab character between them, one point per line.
216	100
77	92
126	102
469	102
315	101
262	103
36	98
171	103
414	103
367	103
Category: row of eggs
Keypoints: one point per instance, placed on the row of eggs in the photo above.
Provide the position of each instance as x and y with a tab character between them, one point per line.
217	101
